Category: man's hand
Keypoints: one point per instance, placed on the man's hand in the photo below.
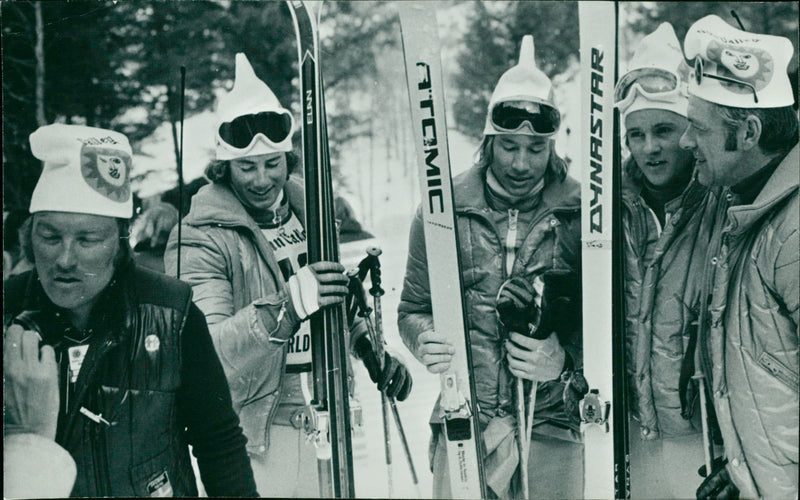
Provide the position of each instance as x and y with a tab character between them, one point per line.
152	228
393	379
517	306
434	351
30	389
317	285
534	359
718	485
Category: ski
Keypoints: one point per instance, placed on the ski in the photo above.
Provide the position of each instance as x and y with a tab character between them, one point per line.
330	406
603	411
458	400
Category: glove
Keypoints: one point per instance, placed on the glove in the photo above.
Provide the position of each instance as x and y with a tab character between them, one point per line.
317	285
518	305
718	484
575	388
394	379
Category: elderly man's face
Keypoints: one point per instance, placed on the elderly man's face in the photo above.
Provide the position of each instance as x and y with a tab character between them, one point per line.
74	256
705	138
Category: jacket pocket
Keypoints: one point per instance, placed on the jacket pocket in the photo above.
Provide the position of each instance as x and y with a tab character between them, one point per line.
155	477
779	370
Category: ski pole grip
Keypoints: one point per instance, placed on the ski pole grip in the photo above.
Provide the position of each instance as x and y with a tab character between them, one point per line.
374	271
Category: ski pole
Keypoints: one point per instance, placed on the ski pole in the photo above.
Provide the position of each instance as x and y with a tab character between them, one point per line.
358	305
525	422
180	173
538	285
708	447
371	264
523	442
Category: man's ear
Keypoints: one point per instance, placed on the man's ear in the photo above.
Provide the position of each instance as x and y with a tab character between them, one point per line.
750	132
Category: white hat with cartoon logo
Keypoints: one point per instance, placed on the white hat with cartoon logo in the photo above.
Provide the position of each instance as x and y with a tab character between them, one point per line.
86	170
736	68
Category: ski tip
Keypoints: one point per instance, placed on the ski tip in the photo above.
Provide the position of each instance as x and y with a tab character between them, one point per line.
526	57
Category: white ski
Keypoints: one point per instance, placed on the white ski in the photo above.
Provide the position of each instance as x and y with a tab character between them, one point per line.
604	418
426	93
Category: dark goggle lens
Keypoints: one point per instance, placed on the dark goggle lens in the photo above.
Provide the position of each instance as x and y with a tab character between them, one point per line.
698	70
651	81
240	132
511	117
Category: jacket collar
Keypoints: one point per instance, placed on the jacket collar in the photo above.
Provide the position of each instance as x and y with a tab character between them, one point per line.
109	316
469	193
783	183
216	204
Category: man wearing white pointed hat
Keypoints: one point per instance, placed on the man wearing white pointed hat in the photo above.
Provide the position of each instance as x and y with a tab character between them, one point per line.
243	251
138	379
743	133
519	223
662	223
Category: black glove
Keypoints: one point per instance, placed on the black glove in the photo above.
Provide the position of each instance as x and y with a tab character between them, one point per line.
47	325
516	305
718	484
575	388
394	379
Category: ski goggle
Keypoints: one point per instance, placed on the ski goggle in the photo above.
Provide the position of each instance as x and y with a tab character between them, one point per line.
511	116
241	132
699	74
653	83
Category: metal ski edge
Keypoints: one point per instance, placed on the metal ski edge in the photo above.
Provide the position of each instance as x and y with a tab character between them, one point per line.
622	471
331	394
423	72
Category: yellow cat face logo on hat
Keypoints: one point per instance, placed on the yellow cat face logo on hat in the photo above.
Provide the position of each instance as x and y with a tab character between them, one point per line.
106	171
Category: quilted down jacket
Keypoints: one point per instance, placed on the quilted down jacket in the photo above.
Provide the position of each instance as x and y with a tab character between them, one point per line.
750	333
240	288
662	293
552	243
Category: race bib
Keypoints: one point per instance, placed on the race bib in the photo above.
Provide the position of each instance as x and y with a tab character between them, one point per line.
298	350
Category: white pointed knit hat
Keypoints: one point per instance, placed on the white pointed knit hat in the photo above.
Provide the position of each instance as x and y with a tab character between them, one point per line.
523	82
658	56
736	68
86	170
250	96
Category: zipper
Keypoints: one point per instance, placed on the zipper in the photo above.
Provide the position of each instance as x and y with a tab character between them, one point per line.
274	409
477	215
511	239
87	372
710	270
